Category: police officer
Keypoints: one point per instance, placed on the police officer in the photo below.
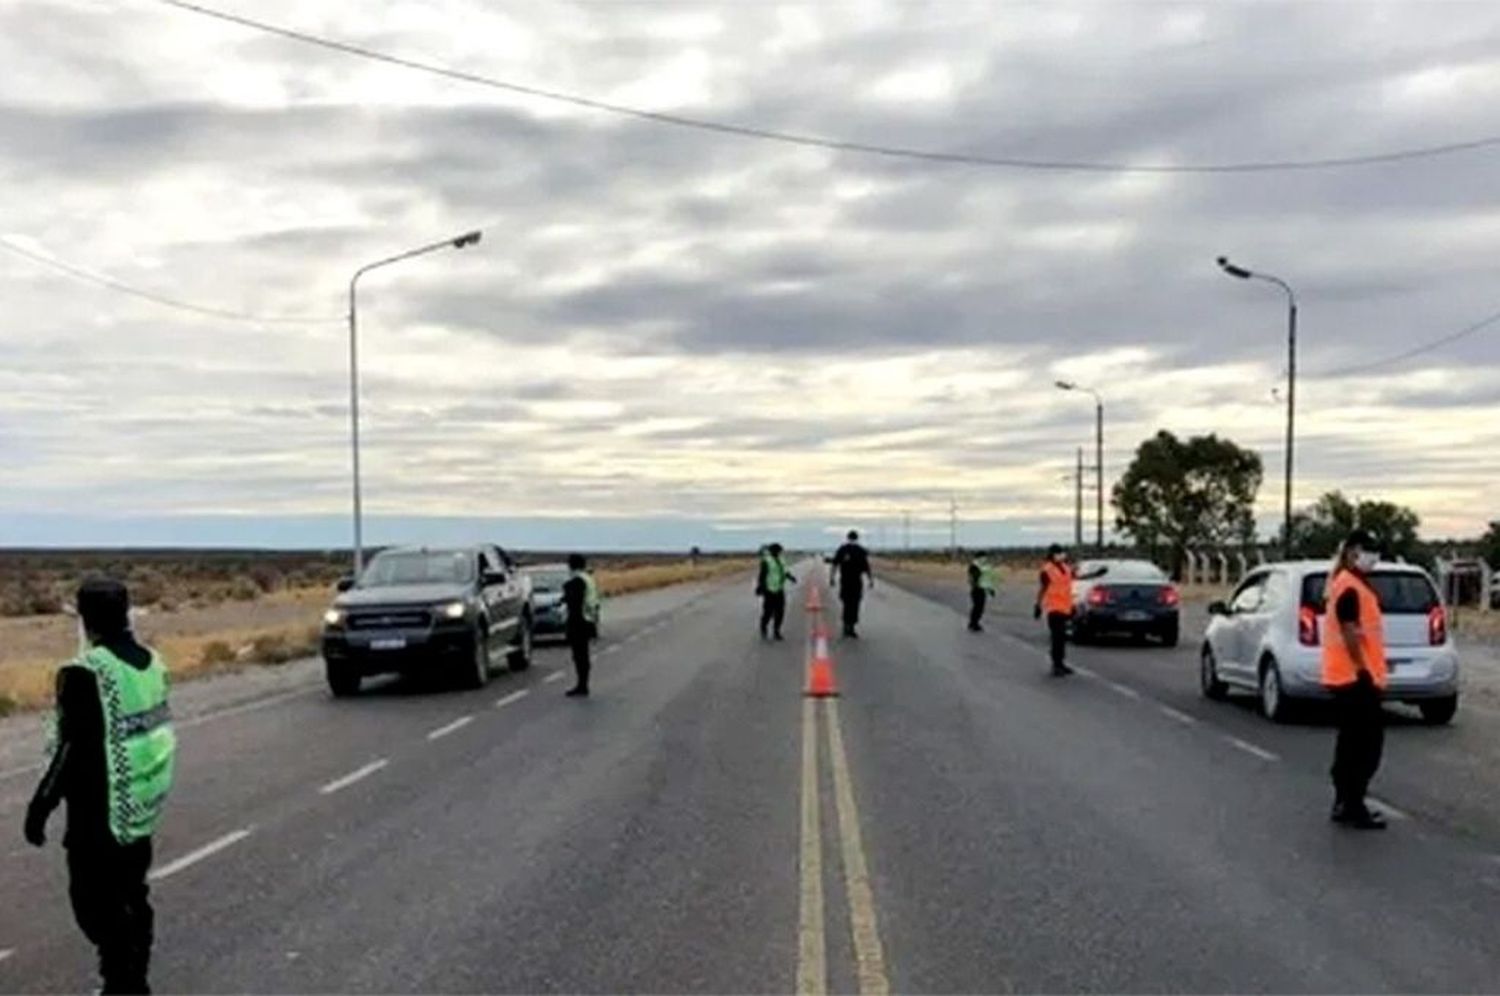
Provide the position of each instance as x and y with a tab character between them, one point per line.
851	565
112	760
981	588
1354	670
1054	598
771	587
581	599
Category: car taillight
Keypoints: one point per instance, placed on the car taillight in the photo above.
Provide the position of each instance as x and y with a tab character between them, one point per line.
1169	596
1307	626
1437	626
1100	596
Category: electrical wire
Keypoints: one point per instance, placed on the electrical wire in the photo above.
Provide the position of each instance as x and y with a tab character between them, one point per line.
834	144
1418	350
111	283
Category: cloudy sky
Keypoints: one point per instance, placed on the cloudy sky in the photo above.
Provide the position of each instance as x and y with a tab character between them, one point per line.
672	335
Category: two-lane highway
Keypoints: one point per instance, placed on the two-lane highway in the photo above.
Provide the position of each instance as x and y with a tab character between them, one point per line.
955	820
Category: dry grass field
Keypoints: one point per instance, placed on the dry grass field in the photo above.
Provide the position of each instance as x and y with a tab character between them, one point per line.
202	625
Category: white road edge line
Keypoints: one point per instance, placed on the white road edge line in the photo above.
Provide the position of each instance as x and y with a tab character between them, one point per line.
1250	748
555	676
353	776
501	703
193	857
457	724
1388	809
1125	690
1178	715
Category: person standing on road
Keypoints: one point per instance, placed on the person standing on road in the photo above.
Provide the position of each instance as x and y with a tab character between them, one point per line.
581	599
112	757
771	587
1055	599
851	565
1354	670
981	589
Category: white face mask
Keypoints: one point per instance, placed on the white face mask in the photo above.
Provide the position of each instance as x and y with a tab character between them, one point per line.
1366	561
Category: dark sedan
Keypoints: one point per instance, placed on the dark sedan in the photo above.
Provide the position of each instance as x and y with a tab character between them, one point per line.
1126	597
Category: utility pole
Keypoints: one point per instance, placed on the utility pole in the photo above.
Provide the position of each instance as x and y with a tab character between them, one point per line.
1078	502
906	525
952	528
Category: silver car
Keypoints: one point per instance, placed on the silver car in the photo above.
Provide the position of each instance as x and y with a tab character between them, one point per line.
1268	639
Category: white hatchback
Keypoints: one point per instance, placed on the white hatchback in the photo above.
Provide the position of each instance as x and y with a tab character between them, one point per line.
1268	639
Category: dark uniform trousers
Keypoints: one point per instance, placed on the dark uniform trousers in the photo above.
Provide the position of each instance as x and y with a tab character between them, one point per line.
111	901
850	595
578	642
772	611
1057	629
977	598
1361	740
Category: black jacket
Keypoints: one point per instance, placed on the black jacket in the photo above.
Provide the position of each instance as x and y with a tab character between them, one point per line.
851	563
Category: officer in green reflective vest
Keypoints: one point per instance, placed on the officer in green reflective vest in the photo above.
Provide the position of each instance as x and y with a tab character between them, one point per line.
981	588
771	587
581	599
112	757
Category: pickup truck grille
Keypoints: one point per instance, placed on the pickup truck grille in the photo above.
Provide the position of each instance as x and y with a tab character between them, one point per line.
390	619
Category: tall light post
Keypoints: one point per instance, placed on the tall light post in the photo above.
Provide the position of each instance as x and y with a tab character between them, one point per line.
1068	385
466	239
1291	385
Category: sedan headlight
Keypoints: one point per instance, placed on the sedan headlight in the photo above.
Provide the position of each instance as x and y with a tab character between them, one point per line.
333	617
453	610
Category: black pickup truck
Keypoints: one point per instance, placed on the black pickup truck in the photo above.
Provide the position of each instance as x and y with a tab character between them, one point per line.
418	610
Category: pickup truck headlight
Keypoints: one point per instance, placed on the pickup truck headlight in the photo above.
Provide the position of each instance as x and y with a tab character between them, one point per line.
333	617
453	610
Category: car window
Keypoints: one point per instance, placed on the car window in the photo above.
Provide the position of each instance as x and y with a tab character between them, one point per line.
1276	591
1399	592
488	562
418	567
547	581
1136	570
1248	596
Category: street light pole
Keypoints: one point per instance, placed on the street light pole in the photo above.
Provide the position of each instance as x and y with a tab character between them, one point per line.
1067	385
1291	388
467	239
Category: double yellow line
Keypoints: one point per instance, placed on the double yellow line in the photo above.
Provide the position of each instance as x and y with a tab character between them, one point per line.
812	959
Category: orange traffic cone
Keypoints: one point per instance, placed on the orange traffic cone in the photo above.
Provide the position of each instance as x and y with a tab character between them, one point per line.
814	599
820	679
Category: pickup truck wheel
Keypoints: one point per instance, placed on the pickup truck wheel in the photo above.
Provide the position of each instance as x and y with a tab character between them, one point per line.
343	680
520	653
476	673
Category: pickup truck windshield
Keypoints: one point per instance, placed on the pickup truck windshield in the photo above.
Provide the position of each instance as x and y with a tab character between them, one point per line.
451	567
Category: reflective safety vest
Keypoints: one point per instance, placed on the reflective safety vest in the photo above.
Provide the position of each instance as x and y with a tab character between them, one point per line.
590	596
775	574
140	748
1058	596
986	579
1338	662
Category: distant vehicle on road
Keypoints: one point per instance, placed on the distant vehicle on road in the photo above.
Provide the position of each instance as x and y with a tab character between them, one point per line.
549	614
1128	597
420	610
1268	639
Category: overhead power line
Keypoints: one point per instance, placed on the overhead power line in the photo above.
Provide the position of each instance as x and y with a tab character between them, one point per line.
100	280
835	144
1418	350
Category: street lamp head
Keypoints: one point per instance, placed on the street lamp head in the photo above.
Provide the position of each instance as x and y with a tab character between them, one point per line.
1066	385
1232	270
467	239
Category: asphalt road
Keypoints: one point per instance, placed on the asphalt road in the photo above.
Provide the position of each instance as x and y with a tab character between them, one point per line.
955	821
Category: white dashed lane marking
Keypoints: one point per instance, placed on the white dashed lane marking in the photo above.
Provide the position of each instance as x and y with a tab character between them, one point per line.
457	724
555	676
1250	748
501	703
1389	810
193	857
352	777
1178	715
1125	690
6	953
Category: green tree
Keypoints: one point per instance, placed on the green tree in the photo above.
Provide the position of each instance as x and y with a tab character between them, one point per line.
1318	531
1178	494
1489	546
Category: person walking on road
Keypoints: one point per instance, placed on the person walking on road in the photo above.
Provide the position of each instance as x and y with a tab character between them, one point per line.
581	599
1354	670
981	589
112	757
851	565
1055	599
771	587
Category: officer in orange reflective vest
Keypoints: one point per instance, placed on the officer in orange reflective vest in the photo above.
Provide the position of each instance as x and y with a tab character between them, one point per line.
1354	670
1055	599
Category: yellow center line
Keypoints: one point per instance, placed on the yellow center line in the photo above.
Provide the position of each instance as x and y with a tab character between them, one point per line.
812	969
863	922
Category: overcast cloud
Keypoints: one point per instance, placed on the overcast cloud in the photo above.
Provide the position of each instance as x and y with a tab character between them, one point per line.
678	326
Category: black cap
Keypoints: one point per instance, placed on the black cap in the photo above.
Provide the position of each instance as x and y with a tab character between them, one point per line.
576	562
1363	539
775	548
1054	549
853	535
104	606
